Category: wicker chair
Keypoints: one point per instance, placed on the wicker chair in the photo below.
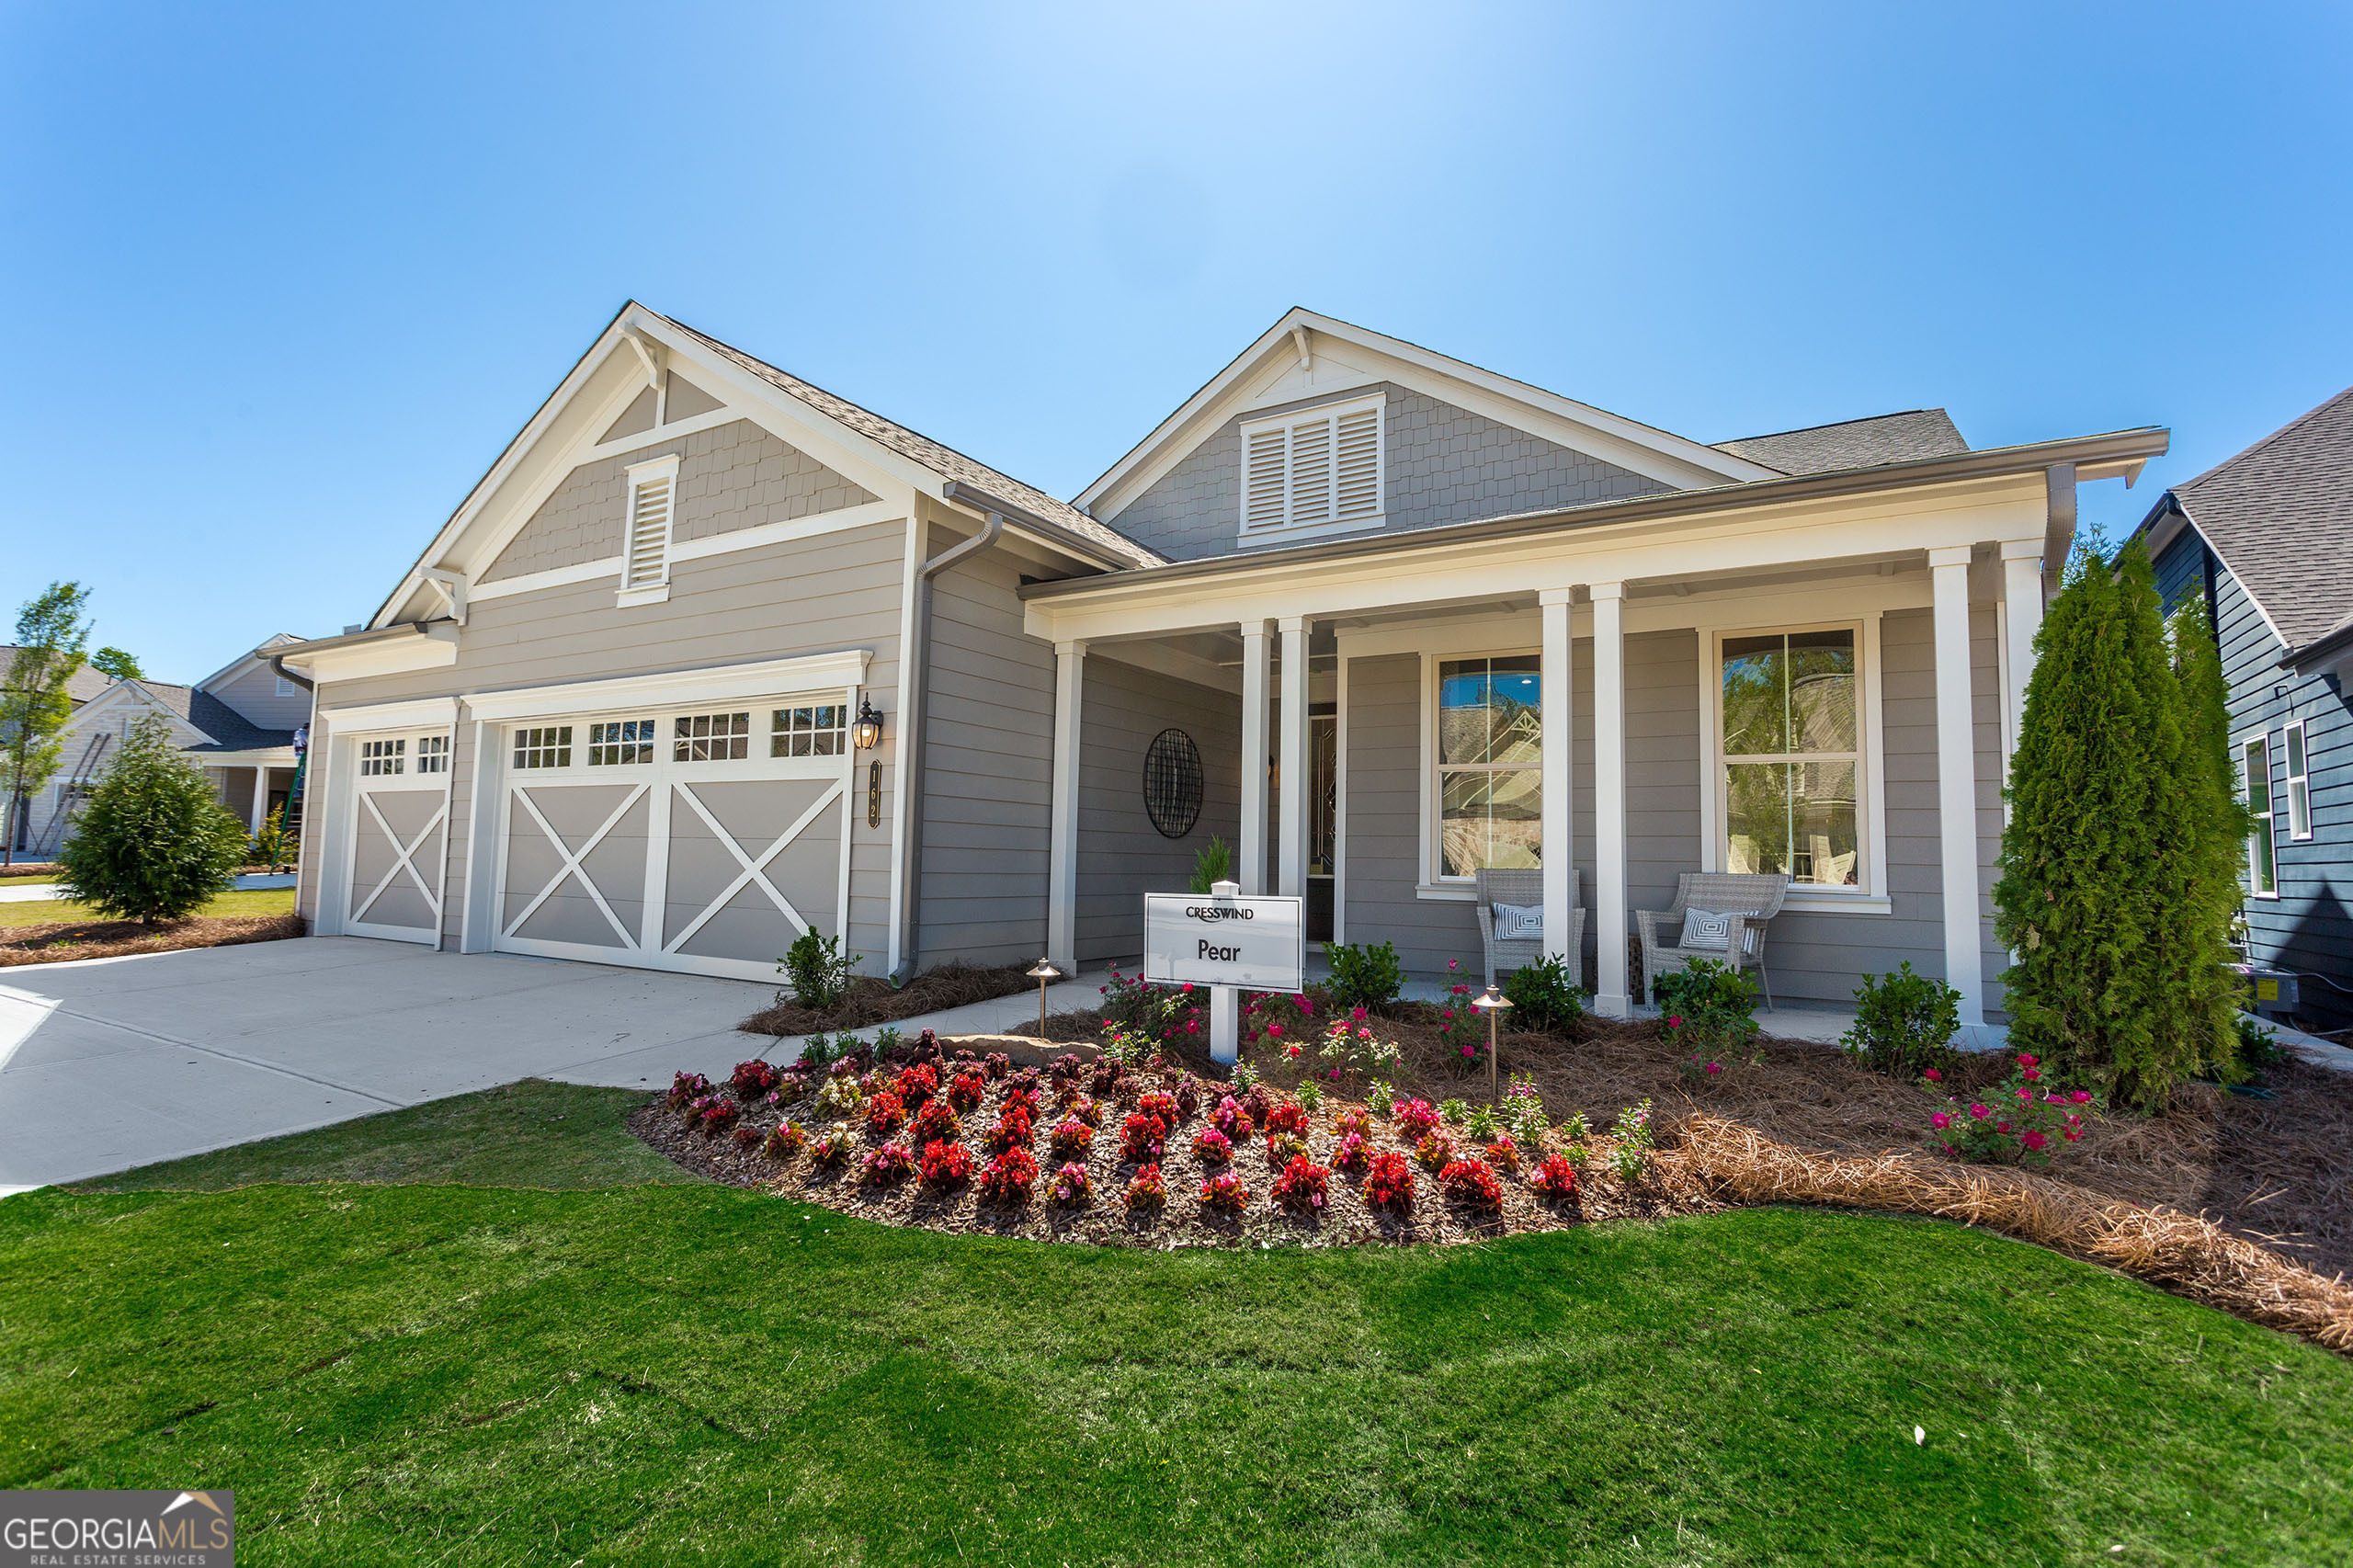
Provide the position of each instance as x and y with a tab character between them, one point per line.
1751	898
1527	887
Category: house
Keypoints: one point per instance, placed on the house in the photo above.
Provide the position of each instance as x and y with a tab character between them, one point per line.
2265	540
237	723
1377	616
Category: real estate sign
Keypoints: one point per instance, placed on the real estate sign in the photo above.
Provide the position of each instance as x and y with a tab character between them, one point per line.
1226	939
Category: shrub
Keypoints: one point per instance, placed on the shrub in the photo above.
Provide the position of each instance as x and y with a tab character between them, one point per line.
834	1149
1071	1185
1303	1187
945	1165
687	1086
1433	1151
1149	1191
1415	1118
1257	1104
1504	1154
1453	1112
1228	1119
1708	1007
891	1162
2021	1123
1481	1124
1162	1105
2259	1049
1141	1139
787	1139
1282	1148
997	1066
1286	1118
1523	1111
1013	1129
1388	1184
1545	995
1071	1140
1083	1109
1223	1193
1348	1045
791	1087
936	1122
1630	1155
1904	1023
713	1114
1555	1178
816	970
751	1079
1351	1118
745	1137
1311	1095
817	1054
1188	1098
1364	975
967	1092
840	1097
914	1085
884	1114
1010	1176
1214	1147
1353	1154
1213	864
150	841
1159	1013
1471	1183
1281	1019
1381	1097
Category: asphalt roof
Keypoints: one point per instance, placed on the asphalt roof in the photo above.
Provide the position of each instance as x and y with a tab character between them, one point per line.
230	730
1854	443
945	462
2280	515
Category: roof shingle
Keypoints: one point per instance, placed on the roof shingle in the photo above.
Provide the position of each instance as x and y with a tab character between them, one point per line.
1910	436
2280	515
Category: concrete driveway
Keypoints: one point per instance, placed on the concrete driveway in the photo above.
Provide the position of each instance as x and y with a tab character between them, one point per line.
110	1063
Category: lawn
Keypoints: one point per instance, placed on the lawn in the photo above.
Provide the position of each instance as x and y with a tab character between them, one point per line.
236	902
657	1373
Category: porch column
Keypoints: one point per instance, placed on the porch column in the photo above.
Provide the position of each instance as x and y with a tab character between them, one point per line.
1062	847
2022	608
1559	786
1957	781
1290	848
261	799
1611	997
1252	870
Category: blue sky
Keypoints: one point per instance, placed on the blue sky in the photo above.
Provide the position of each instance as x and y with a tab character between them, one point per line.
285	280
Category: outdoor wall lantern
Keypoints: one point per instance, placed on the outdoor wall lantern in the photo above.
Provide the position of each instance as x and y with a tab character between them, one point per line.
1044	974
1492	1003
868	732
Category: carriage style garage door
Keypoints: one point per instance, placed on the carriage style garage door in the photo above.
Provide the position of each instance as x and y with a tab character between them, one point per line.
400	811
702	841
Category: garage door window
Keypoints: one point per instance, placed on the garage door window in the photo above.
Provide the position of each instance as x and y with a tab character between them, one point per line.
433	754
378	758
620	742
817	730
713	737
548	747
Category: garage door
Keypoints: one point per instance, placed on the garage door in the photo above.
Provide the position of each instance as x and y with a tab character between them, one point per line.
701	841
400	816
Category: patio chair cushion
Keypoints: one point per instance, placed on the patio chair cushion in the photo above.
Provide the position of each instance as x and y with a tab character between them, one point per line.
1520	922
1704	930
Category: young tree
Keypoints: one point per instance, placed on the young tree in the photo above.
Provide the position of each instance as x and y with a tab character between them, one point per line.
152	842
34	704
115	665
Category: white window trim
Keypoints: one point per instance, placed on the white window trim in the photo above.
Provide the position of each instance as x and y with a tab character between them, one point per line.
1294	533
1434	883
1870	895
663	470
2268	823
2299	785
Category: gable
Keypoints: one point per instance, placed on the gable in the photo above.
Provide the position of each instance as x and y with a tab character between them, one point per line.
679	399
1442	463
733	476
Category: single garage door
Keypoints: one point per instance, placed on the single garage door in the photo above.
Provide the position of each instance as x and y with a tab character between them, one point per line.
701	841
400	817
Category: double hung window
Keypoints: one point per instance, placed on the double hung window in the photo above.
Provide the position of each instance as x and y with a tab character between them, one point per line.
2254	778
1792	755
1490	745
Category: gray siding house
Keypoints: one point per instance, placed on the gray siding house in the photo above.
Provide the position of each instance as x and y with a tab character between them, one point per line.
1375	615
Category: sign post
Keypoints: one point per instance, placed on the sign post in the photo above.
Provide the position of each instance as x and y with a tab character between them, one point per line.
1228	943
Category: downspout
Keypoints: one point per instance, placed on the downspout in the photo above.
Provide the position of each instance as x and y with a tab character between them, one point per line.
911	742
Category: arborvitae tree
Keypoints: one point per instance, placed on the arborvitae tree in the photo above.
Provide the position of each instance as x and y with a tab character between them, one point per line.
152	842
2208	992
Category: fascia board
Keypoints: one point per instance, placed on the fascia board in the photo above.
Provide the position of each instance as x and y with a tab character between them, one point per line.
417	714
838	670
428	648
265	756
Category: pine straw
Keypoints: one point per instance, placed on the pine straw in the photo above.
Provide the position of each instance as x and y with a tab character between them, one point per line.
869	1000
2182	1251
117	938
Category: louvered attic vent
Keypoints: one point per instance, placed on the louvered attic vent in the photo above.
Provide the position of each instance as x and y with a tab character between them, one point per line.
653	492
1319	471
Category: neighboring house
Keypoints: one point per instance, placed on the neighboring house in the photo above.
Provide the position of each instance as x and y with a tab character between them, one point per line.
238	723
2266	540
611	712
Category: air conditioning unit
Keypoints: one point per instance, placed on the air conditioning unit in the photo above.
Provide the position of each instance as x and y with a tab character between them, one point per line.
2270	992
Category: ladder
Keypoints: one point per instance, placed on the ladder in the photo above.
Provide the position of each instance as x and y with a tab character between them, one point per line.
290	816
83	771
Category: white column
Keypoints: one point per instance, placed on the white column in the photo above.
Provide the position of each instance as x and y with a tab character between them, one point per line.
2022	610
1252	870
1062	851
261	800
1611	997
1957	781
1291	804
1560	799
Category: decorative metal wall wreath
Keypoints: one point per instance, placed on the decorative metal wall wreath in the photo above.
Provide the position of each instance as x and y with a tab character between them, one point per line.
1172	783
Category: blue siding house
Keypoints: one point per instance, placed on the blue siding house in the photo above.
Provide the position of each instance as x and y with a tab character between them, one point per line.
2265	541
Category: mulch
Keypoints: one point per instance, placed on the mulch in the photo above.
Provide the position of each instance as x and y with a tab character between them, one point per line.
872	1001
117	938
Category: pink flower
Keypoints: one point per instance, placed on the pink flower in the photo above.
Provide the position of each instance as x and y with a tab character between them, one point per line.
1940	1120
1186	986
2081	1096
1274	1030
2036	1140
1714	1068
2072	1134
1335	1075
2001	1127
1979	1111
2024	1061
1676	1022
1448	1014
1355	1014
1290	1050
1934	1076
1454	963
2025	1096
2032	1074
1468	1052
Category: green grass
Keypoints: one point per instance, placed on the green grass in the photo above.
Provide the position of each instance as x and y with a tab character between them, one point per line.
237	900
687	1373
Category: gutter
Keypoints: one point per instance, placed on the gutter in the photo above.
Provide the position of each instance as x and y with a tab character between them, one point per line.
2130	448
348	640
957	492
918	700
278	662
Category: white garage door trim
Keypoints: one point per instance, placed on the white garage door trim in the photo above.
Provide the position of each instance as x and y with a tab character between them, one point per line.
384	764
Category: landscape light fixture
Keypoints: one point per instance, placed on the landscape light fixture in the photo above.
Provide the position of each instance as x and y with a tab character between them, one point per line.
1044	974
1491	1001
868	732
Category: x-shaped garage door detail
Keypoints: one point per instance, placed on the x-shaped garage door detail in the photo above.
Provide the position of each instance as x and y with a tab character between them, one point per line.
754	868
404	860
572	863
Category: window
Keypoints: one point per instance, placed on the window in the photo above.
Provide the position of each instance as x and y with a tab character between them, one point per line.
2255	777
2300	784
1490	761
378	758
619	743
652	491
713	737
433	754
548	747
819	730
1792	761
1319	468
